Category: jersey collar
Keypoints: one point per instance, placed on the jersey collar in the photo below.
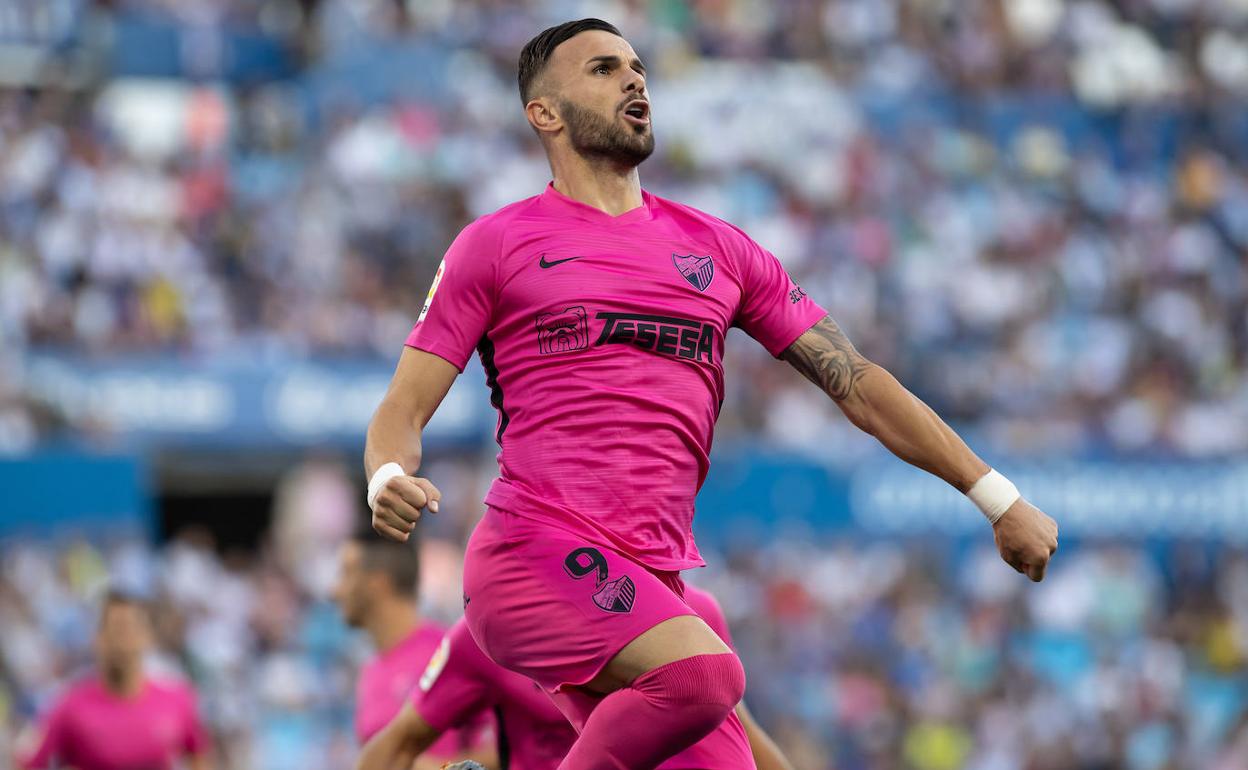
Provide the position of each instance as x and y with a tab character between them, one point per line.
570	207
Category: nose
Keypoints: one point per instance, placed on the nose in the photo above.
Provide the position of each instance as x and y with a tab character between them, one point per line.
634	81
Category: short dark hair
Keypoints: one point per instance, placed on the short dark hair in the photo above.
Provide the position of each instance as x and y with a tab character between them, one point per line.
116	597
537	51
400	562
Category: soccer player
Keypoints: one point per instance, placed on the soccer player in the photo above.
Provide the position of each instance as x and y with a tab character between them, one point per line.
119	718
376	591
599	312
533	734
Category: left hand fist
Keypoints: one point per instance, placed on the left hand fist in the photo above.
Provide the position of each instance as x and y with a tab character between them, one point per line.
1026	538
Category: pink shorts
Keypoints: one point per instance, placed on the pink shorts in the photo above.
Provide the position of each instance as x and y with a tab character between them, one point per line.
553	607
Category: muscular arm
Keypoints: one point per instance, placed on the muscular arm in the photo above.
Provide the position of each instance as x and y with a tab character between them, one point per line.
767	755
420	382
399	743
873	400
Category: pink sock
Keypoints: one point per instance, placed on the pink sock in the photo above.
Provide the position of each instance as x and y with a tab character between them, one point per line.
662	713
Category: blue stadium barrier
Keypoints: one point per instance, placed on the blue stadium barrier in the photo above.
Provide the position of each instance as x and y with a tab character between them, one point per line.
164	402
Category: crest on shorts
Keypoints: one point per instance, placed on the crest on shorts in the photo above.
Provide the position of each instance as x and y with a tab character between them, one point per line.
698	271
617	596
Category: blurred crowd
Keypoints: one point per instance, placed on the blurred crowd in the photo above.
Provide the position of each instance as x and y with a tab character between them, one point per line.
860	656
1033	211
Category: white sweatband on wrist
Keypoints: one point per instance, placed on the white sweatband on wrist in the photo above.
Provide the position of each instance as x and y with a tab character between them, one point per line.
379	479
993	494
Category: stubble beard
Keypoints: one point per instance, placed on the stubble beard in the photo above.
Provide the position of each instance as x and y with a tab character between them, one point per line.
597	138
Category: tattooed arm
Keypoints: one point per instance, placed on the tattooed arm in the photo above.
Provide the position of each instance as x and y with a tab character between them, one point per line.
874	401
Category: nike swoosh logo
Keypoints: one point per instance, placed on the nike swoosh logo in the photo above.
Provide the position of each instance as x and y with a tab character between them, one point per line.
544	264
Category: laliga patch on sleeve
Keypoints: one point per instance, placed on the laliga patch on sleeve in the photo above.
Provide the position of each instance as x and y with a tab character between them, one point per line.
438	661
433	289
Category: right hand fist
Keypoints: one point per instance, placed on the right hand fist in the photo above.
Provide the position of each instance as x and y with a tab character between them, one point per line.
1026	538
399	503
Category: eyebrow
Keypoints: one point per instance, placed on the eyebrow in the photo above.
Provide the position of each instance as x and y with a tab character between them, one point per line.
614	61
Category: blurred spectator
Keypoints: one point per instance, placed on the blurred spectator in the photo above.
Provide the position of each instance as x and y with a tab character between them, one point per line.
860	654
943	176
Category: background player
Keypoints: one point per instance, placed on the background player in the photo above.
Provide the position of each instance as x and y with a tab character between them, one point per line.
376	591
461	682
119	718
599	312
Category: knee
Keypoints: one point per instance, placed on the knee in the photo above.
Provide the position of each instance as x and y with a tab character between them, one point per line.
713	684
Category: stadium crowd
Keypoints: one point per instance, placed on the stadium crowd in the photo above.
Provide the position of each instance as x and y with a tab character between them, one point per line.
1032	211
1035	212
862	656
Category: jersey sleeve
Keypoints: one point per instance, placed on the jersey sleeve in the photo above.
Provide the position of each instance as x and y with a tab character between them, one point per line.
460	301
43	743
452	692
774	310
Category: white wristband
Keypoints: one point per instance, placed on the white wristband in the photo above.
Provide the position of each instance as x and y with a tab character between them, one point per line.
993	494
379	479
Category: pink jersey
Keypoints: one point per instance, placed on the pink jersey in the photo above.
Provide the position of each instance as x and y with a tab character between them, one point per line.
602	339
387	680
91	728
461	682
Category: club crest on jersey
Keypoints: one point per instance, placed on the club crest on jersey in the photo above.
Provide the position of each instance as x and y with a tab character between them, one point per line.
698	271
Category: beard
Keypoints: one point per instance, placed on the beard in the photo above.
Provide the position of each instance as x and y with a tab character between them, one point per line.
596	137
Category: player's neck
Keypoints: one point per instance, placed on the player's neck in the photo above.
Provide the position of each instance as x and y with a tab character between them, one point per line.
390	626
121	681
604	186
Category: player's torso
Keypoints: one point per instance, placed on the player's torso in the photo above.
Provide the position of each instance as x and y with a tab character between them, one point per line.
647	298
386	680
108	733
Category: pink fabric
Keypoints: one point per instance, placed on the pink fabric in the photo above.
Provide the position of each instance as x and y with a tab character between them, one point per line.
461	682
90	728
532	616
662	712
387	680
707	606
602	338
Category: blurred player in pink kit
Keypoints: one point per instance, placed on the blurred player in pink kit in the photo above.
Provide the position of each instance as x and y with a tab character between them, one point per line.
533	734
599	313
376	591
119	718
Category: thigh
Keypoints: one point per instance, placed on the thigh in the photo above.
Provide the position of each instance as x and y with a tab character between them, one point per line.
555	608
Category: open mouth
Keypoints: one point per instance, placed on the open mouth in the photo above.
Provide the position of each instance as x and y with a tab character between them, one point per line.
637	112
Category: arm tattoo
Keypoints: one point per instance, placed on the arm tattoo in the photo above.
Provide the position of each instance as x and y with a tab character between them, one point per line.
826	357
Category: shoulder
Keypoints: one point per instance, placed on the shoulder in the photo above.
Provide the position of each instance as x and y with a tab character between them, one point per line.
426	638
731	240
83	688
463	648
169	688
493	226
696	217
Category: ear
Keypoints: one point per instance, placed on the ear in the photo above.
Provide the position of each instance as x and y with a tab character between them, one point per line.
543	115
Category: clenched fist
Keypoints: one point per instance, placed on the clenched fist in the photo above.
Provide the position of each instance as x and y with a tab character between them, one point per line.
398	505
1026	538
